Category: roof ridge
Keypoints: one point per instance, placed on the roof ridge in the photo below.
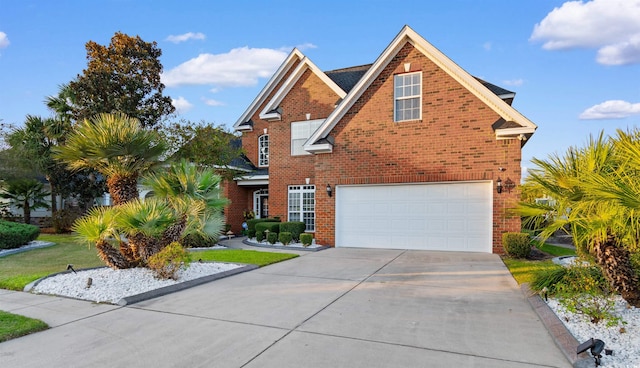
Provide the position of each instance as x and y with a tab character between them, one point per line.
350	68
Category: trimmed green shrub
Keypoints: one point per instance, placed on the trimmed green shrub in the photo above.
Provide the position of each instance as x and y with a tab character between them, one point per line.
251	224
14	235
166	263
259	236
285	237
272	238
517	245
273	227
198	241
294	227
306	239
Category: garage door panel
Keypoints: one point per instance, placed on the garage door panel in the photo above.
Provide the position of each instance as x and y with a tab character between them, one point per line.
440	216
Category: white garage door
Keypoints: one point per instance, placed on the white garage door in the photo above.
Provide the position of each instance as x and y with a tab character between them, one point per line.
441	216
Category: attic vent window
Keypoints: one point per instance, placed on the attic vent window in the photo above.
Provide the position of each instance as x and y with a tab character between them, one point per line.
408	96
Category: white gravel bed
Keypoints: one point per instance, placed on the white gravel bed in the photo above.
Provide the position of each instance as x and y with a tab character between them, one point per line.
109	285
625	345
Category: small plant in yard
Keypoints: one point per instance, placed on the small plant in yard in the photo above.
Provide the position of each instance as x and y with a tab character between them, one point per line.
285	238
517	245
580	290
306	239
272	238
259	236
166	263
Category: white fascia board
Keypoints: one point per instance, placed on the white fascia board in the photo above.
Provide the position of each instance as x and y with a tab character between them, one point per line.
252	180
409	35
509	133
294	56
303	66
249	183
319	148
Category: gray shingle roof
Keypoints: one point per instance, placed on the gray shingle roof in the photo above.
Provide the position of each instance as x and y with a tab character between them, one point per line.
346	78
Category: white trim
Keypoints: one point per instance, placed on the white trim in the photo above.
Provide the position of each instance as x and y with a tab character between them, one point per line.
287	64
442	61
286	87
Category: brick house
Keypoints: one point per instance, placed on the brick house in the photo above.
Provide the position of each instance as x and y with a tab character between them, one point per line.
410	152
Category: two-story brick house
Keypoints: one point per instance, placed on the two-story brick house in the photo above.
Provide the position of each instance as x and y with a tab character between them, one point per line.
409	152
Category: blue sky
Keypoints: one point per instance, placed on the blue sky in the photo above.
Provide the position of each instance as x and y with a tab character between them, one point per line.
574	65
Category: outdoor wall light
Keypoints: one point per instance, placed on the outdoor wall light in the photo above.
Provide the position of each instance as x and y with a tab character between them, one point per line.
509	184
595	347
499	185
329	190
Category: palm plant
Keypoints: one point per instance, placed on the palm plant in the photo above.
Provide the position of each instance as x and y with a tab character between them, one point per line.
595	196
129	234
116	146
27	194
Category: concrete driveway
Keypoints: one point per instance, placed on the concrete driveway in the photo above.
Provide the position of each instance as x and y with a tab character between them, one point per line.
334	308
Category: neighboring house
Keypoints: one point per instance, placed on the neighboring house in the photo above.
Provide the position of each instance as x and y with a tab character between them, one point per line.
408	152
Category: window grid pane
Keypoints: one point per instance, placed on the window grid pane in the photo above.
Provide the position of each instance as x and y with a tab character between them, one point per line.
302	205
263	150
408	89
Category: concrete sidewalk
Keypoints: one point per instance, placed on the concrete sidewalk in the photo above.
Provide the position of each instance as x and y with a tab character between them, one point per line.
334	308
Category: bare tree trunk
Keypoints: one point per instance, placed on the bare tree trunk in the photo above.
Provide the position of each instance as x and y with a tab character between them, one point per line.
111	256
615	262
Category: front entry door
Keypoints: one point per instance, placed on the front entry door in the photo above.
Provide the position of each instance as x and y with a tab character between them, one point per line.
261	203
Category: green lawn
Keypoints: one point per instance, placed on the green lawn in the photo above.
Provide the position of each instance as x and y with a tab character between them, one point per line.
523	270
242	256
13	325
20	269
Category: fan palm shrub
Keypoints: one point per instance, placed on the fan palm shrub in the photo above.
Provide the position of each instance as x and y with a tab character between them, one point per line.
596	191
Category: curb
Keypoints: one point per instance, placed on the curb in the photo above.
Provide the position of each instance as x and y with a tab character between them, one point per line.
561	336
183	285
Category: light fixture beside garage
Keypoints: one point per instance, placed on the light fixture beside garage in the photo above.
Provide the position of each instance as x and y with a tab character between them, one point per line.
329	190
508	185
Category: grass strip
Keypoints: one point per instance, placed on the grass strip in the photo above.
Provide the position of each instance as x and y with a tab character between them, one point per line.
524	270
13	325
242	256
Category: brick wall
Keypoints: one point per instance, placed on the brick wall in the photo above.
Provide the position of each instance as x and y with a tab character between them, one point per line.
310	95
454	141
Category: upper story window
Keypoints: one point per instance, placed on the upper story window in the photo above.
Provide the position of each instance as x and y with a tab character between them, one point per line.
408	96
263	150
300	132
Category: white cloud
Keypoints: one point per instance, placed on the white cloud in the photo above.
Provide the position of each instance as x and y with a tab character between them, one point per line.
239	67
212	102
513	82
185	37
181	104
4	40
612	109
612	26
306	46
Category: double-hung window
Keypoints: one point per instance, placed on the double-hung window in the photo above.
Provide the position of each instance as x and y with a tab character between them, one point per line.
300	132
302	205
408	96
263	150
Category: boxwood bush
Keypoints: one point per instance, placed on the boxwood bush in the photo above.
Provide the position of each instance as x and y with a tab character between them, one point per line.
285	237
517	245
273	227
251	225
272	238
306	239
14	235
294	227
198	241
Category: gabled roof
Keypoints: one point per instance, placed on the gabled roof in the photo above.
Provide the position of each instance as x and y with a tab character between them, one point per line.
270	110
243	123
318	144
